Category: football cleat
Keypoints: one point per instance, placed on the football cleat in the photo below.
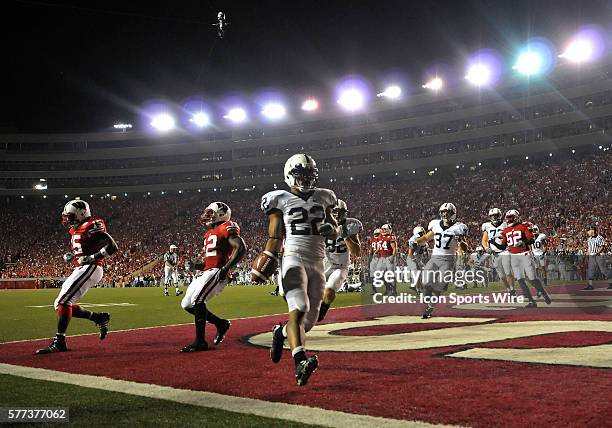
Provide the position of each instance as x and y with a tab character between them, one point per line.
278	341
547	298
195	347
306	368
55	346
221	332
589	287
428	313
513	292
532	304
103	324
178	293
166	293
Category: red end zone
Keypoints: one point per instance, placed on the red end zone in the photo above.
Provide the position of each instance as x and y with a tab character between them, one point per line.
365	366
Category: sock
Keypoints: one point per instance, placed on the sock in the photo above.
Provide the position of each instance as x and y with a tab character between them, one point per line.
79	312
60	337
190	310
298	355
200	321
526	291
545	281
323	311
64	313
284	331
213	319
538	286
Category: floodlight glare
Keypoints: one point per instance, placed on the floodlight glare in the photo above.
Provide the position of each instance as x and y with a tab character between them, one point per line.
122	126
236	115
529	63
392	92
200	119
579	50
163	122
479	74
274	111
351	99
434	84
310	105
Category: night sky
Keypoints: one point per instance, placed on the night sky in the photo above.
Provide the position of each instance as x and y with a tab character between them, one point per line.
81	66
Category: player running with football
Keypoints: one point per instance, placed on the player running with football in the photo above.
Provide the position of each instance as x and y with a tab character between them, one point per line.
306	213
518	238
223	249
449	241
337	255
90	244
538	249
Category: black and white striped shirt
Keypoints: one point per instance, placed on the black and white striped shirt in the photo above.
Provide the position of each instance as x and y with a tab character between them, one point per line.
596	244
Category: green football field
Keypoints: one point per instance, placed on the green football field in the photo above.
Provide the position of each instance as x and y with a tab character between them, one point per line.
28	314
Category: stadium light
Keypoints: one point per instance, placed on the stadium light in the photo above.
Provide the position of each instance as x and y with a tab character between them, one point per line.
163	122
274	111
479	74
351	99
236	115
434	84
529	63
41	185
200	119
392	92
122	126
310	104
579	50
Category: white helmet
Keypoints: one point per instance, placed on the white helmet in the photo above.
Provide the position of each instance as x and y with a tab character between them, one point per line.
377	231
512	217
75	212
535	228
385	229
495	215
301	172
448	212
173	247
419	230
340	210
217	212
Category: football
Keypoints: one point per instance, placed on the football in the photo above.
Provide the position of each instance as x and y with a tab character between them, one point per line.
264	266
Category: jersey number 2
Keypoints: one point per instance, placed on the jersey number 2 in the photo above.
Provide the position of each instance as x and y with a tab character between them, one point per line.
211	246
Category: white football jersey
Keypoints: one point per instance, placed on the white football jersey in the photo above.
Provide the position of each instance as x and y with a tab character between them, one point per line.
335	249
447	239
537	248
421	250
301	217
494	232
171	259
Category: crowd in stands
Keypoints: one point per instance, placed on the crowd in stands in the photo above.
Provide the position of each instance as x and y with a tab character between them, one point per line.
561	197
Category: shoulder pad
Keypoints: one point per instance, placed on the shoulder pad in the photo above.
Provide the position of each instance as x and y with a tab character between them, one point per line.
272	200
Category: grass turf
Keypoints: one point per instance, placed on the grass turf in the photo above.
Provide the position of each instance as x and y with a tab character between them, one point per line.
93	407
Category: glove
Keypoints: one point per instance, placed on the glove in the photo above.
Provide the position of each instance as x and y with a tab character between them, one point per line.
326	229
86	260
68	257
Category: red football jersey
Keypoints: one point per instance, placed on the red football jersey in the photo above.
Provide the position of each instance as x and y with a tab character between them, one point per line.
384	245
373	243
217	248
85	239
518	232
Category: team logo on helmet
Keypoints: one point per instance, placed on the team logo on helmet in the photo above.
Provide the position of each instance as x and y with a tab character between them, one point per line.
448	212
512	217
418	231
217	212
385	229
75	212
495	215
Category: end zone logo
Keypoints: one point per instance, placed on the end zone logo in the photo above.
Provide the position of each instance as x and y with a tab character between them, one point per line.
479	331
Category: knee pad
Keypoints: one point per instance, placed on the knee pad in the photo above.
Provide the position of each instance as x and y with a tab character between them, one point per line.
297	300
64	310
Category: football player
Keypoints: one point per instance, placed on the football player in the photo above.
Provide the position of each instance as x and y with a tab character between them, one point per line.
373	254
417	255
90	244
223	249
491	231
337	255
387	253
307	215
449	241
518	238
538	249
479	261
170	274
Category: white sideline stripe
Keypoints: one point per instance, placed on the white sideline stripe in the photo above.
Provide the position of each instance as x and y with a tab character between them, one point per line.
158	326
250	406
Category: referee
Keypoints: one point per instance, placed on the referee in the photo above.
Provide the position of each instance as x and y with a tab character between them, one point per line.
597	260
